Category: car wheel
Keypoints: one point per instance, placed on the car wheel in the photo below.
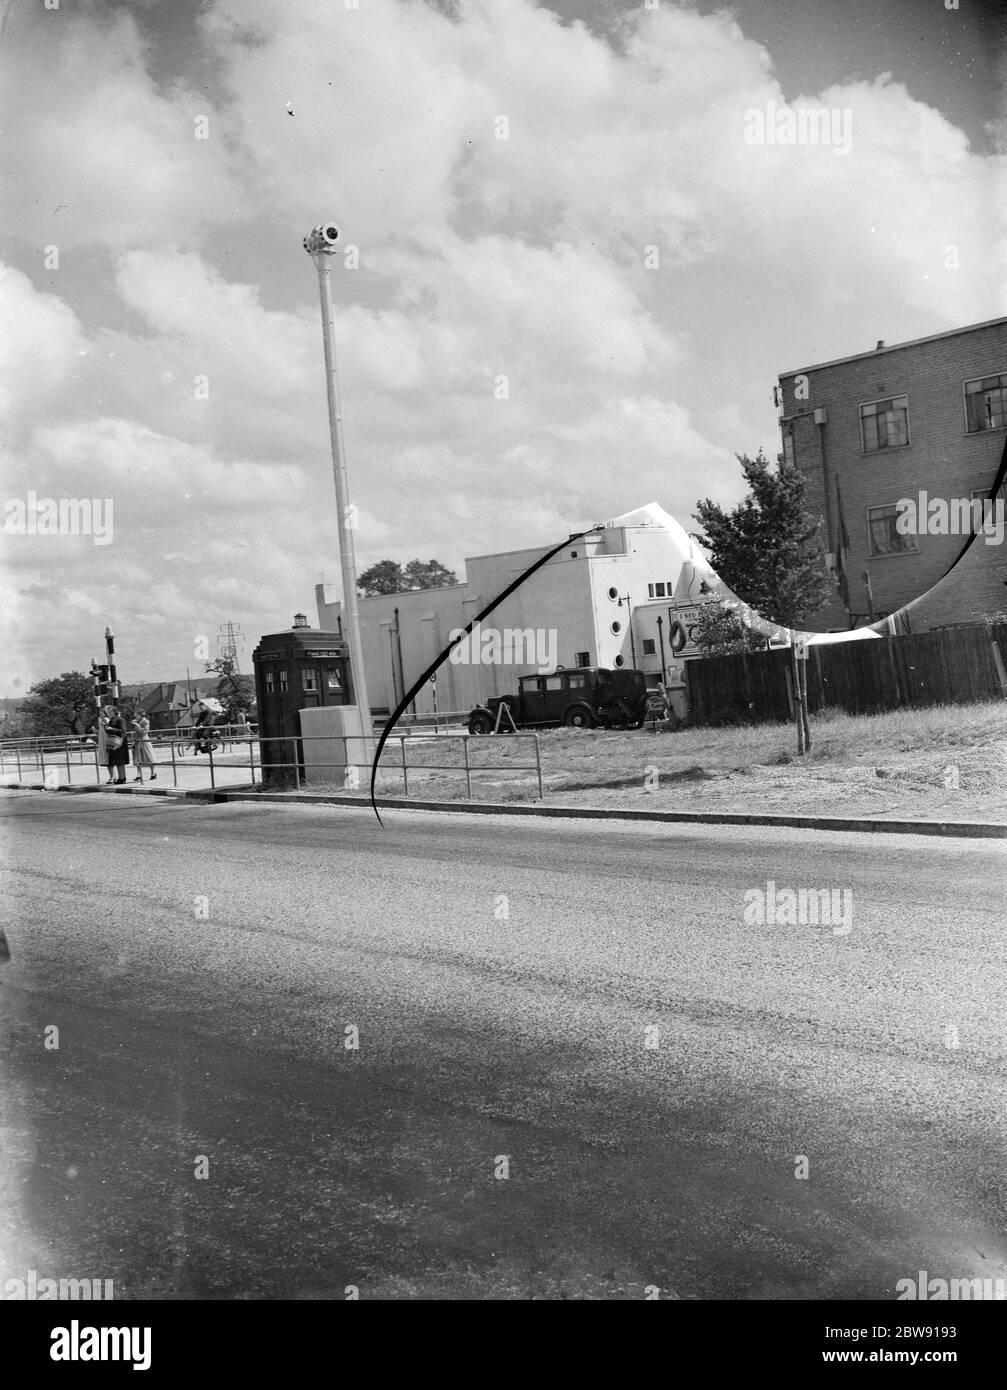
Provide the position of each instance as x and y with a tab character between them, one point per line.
480	723
579	717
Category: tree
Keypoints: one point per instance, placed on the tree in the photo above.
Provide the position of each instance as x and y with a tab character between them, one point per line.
234	691
14	724
718	631
768	550
385	577
61	705
428	574
389	577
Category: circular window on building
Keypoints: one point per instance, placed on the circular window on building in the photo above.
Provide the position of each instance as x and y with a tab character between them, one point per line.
618	661
613	594
617	627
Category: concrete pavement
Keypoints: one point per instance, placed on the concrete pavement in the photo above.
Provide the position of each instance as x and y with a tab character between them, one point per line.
583	1000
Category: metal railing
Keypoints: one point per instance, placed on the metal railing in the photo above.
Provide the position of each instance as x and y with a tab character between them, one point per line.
291	764
355	772
429	722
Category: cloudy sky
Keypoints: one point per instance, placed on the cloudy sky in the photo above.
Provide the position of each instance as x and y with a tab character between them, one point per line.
561	196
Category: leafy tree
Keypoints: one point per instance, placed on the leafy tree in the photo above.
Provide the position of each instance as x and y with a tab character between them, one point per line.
60	705
389	577
234	691
768	550
428	574
718	631
385	577
14	724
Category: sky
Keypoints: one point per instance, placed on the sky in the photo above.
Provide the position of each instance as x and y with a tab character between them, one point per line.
577	275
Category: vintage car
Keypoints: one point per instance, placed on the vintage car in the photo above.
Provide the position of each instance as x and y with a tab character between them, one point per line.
580	698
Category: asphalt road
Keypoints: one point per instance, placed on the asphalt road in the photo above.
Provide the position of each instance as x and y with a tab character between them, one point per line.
580	1072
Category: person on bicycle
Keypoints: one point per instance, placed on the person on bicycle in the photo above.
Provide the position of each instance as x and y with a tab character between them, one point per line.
201	730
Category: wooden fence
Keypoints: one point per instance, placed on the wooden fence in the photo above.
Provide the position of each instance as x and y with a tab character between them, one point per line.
953	666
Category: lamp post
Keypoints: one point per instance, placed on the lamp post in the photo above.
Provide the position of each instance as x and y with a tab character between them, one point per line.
320	244
629	621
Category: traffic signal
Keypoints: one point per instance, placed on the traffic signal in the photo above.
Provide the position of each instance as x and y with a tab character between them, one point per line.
102	676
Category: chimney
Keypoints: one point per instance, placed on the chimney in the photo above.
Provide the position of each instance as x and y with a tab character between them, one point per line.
300	620
881	343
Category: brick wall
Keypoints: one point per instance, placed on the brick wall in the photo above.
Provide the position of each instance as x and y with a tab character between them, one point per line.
941	459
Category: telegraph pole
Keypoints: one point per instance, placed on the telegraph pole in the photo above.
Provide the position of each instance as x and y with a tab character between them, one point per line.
320	244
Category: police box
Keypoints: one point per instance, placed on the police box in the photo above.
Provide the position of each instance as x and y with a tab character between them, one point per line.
301	668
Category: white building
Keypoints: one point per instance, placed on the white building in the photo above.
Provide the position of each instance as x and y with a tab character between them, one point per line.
596	603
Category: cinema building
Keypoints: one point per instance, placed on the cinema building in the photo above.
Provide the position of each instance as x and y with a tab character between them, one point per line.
580	609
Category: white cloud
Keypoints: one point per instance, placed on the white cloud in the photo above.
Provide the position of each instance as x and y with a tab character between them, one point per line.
175	362
100	155
41	344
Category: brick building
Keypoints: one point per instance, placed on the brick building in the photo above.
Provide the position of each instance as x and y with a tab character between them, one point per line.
924	416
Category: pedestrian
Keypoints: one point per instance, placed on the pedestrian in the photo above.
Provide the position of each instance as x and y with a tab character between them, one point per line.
143	749
116	745
101	749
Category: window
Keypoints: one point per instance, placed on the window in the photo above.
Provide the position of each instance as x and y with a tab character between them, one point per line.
789	455
982	493
613	594
308	678
283	682
657	591
986	403
882	536
987	511
332	681
576	682
582	658
649	646
885	424
554	682
530	685
618	661
617	627
269	682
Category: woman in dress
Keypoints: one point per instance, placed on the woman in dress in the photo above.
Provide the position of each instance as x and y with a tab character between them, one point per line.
116	745
143	749
101	748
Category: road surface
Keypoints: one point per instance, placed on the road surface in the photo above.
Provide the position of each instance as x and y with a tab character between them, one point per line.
580	1072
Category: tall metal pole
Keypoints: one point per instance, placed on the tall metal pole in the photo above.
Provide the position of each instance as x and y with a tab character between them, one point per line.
320	244
112	674
632	644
